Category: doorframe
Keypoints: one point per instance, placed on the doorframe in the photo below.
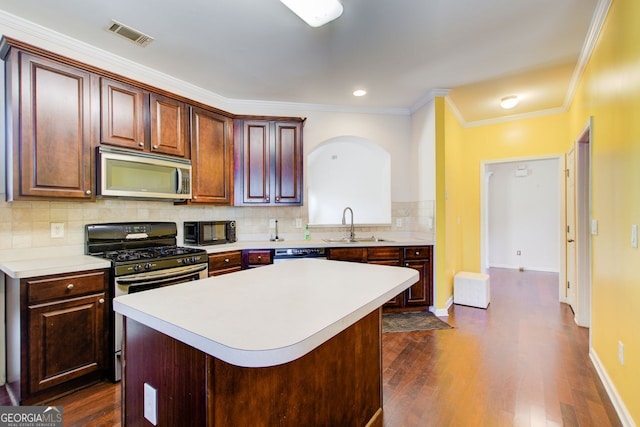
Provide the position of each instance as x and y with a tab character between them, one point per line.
484	212
583	146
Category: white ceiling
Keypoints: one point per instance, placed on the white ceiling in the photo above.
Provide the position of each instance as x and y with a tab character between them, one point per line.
399	50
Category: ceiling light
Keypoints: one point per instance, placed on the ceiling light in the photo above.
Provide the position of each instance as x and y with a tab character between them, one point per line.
509	102
359	92
315	12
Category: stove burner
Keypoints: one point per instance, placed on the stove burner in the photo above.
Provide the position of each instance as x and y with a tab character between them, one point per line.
124	255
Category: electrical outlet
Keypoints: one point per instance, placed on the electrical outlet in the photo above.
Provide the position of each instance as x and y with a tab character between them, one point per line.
634	236
151	404
298	222
398	222
621	352
57	230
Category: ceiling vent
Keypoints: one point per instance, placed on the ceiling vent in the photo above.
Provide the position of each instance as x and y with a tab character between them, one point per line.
129	33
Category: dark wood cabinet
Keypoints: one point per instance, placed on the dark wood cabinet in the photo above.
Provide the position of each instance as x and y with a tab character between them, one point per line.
122	114
419	295
225	262
211	157
252	258
268	162
387	255
133	118
61	334
50	132
419	258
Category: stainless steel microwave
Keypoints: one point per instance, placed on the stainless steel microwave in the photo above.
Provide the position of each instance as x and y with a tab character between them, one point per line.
209	232
128	173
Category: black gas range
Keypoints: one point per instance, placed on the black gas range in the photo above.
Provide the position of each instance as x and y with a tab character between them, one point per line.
140	247
144	256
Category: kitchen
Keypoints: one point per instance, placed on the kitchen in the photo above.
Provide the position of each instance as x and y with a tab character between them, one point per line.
26	226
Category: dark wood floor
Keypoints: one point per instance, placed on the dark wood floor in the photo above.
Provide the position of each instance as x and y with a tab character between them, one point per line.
522	362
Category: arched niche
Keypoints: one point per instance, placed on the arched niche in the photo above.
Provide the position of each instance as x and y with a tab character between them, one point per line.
349	171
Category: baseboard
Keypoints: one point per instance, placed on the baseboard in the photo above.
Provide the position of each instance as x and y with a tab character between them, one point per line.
612	392
442	312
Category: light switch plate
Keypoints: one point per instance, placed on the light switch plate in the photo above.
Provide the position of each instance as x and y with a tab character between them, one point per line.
57	230
594	227
634	236
151	404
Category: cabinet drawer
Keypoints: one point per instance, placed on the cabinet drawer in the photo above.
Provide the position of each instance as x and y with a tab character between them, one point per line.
384	253
54	287
348	254
417	252
259	257
225	260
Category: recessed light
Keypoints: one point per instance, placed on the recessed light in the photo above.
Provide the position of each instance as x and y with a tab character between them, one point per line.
359	92
508	102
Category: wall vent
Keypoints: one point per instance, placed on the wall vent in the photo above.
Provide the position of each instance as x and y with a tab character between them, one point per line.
129	33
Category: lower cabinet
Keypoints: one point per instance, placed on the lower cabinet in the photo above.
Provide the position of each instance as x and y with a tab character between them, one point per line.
419	295
252	258
225	262
59	339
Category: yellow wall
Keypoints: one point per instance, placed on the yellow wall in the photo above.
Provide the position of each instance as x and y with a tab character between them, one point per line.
609	92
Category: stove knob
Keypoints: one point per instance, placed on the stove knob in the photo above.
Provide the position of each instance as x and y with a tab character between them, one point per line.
193	259
185	261
137	267
147	266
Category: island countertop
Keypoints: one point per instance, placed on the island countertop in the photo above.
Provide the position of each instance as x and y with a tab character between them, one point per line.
270	315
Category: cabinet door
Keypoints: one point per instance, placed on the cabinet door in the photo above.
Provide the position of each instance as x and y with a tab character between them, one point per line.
225	262
67	340
256	160
348	254
418	294
122	115
211	157
398	299
288	163
168	125
52	149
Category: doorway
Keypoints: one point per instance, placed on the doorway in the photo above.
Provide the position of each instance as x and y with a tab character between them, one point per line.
578	259
531	219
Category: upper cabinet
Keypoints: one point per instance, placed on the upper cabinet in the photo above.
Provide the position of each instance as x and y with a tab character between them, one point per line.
211	157
49	128
268	162
125	112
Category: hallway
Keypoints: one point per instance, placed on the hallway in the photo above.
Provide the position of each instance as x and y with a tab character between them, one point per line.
521	362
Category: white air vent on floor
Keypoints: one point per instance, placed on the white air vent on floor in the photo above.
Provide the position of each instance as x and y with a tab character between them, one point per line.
129	33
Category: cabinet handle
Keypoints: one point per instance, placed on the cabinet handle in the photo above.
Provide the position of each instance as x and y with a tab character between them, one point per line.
155	147
226	260
101	300
406	264
277	199
259	256
88	192
141	144
417	253
70	286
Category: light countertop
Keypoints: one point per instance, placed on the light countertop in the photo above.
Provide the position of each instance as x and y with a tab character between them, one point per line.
43	266
314	243
269	315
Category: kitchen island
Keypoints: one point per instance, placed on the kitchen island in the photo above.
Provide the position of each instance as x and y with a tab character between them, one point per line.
294	344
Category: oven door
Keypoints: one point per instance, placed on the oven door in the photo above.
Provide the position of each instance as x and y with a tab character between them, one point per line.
144	281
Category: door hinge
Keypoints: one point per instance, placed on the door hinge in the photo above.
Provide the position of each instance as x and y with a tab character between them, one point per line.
568	285
568	229
566	173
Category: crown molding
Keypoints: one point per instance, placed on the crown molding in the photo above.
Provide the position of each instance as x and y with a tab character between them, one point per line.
597	22
428	97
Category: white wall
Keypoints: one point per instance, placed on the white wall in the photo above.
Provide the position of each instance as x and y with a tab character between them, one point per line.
523	215
423	153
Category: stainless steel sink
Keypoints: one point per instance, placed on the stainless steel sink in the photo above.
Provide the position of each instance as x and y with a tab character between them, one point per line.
357	240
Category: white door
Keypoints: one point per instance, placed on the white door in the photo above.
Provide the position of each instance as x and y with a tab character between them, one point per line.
572	283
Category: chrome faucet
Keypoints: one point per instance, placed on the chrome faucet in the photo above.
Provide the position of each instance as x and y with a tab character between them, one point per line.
352	234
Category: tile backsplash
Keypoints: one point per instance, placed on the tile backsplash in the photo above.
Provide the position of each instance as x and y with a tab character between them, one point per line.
28	224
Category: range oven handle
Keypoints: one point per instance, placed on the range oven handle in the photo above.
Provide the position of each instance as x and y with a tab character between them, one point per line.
160	276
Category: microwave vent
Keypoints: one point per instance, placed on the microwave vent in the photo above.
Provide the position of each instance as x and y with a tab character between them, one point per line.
129	33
